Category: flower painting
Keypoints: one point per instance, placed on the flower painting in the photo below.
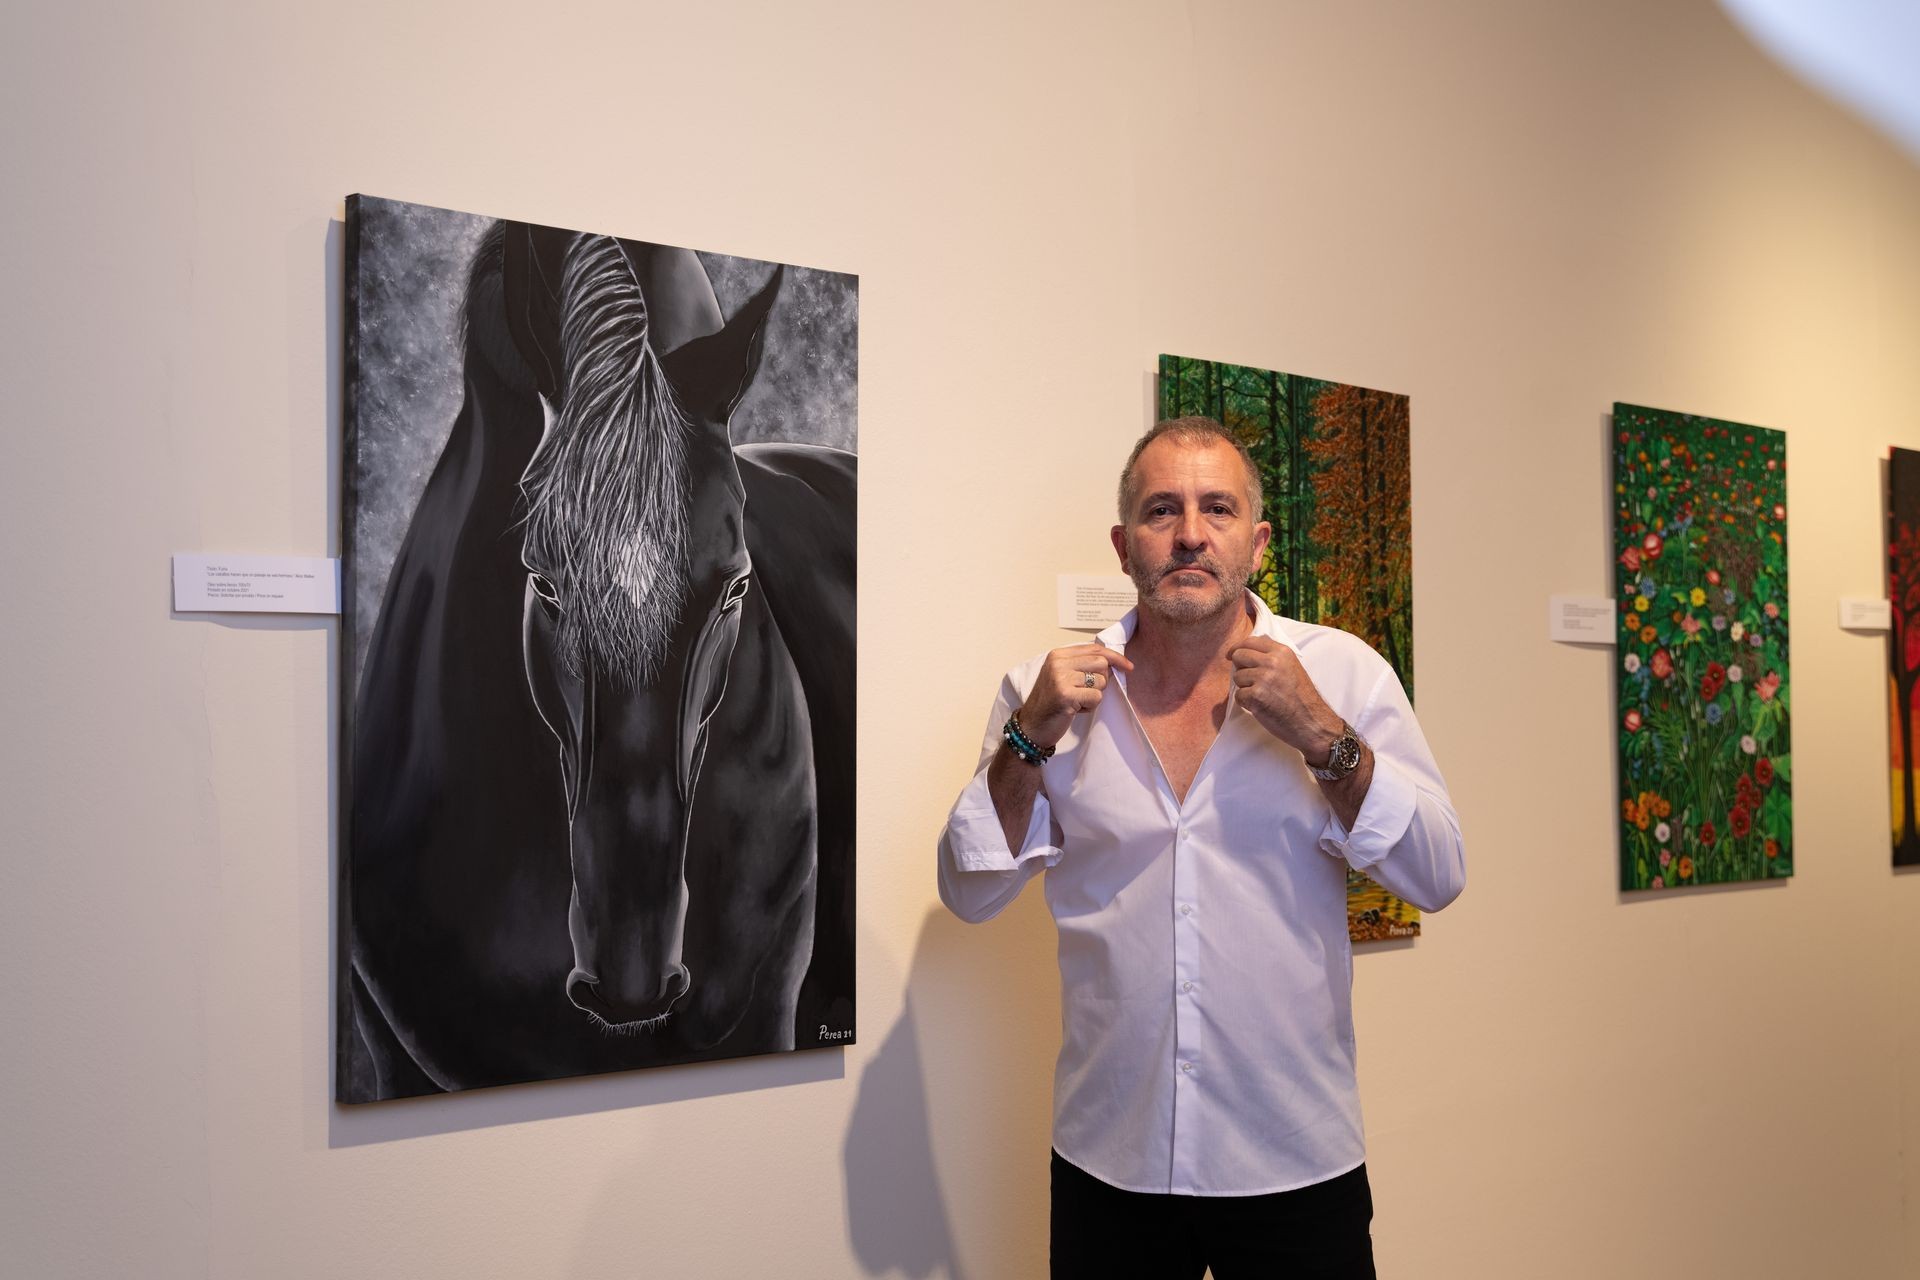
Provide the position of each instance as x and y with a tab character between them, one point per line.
1700	574
1903	593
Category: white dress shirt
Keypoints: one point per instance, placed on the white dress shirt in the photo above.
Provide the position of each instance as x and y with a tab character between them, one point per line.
1205	973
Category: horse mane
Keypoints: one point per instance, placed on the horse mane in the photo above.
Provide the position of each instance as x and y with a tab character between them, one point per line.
606	490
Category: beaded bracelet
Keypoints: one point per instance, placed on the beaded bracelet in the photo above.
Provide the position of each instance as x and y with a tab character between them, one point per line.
1022	745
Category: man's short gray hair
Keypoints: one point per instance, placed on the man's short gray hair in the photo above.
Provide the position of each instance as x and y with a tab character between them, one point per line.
1188	431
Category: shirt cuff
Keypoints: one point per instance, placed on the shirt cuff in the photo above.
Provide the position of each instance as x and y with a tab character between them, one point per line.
1384	817
979	842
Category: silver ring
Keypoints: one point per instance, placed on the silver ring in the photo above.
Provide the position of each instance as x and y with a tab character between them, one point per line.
1089	680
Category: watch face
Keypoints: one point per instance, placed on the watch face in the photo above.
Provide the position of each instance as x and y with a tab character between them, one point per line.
1346	754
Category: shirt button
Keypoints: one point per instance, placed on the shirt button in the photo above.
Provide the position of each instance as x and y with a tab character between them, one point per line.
1185	910
1186	986
1186	1066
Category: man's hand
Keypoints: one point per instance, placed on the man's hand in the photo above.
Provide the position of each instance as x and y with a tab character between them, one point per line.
1062	690
1274	687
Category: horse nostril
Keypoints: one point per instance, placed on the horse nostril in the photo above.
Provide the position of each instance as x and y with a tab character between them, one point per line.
580	992
676	983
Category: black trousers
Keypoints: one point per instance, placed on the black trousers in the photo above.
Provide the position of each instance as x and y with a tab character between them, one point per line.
1100	1231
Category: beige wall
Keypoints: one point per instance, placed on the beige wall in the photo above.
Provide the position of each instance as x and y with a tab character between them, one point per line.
1516	213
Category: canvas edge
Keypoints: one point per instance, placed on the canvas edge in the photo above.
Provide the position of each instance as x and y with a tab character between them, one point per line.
344	1029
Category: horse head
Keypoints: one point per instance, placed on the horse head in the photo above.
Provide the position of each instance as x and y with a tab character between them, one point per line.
637	580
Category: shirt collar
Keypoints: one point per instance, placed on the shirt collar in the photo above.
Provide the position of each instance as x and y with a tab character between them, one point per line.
1265	623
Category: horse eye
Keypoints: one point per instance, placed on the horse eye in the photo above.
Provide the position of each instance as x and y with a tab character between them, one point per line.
544	588
735	593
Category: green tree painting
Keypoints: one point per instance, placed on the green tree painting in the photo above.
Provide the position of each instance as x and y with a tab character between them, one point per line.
1334	466
1700	574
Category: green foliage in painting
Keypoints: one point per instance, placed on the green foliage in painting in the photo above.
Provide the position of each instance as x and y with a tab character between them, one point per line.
1334	470
1700	573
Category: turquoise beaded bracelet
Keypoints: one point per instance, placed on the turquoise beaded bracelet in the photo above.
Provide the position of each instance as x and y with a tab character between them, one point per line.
1022	745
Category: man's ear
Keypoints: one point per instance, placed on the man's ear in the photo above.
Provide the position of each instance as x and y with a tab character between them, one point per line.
1119	536
1262	535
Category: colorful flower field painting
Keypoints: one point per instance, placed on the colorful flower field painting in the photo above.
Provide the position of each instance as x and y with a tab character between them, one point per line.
1700	565
1334	467
1903	593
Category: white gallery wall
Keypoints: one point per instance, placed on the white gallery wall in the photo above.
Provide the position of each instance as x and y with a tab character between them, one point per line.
1516	213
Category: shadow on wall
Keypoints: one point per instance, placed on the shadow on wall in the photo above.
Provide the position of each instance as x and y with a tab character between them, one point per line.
961	1082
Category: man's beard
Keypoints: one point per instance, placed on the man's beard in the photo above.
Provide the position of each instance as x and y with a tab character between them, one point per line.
1186	607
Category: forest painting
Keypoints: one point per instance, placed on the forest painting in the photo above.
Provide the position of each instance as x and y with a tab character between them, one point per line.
1700	572
1903	657
1334	465
597	654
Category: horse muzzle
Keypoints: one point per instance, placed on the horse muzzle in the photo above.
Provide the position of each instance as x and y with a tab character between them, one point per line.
624	1010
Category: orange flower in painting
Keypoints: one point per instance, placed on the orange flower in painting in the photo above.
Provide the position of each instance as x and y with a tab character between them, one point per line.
1773	847
1686	866
1648	635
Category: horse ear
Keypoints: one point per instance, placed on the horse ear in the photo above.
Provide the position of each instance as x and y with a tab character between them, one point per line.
711	375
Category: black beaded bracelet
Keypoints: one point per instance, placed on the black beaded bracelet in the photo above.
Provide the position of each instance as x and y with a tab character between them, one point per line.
1022	745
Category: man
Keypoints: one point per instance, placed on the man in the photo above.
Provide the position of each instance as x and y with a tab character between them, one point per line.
1195	783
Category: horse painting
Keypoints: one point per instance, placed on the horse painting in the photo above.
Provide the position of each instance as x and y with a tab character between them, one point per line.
599	752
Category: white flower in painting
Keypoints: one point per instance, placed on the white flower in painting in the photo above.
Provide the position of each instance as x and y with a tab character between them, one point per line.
1734	673
1747	744
1661	832
1633	663
1737	630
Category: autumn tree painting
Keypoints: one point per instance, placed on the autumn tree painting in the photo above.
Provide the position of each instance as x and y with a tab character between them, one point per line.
1333	463
1363	517
1903	656
1700	578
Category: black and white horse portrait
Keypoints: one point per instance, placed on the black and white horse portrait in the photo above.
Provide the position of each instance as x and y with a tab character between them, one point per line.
598	655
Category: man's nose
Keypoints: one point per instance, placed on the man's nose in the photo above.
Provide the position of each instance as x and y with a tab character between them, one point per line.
1191	534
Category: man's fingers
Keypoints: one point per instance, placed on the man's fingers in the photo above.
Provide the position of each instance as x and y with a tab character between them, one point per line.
1076	656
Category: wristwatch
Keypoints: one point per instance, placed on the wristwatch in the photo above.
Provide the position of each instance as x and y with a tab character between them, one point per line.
1343	759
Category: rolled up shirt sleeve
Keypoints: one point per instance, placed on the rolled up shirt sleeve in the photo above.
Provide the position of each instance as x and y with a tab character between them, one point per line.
1406	835
978	873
